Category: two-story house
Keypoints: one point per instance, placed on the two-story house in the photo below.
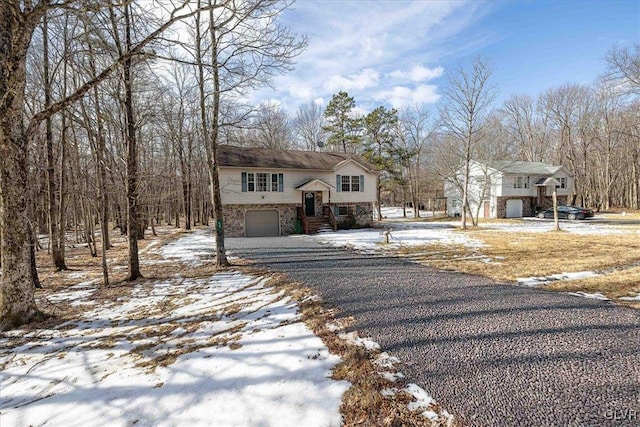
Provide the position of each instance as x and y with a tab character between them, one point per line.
267	192
509	189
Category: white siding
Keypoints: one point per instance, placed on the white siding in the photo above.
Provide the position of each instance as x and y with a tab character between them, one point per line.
506	189
509	191
231	186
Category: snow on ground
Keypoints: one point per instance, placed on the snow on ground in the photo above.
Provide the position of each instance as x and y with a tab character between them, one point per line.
190	249
371	240
535	225
222	350
397	213
636	298
407	232
596	295
538	281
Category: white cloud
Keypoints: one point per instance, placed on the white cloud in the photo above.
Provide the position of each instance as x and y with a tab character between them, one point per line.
358	111
318	101
402	96
365	79
355	46
301	91
371	46
417	74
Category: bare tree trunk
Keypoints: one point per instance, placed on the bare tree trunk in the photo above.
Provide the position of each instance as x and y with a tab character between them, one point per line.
57	245
132	158
17	302
216	198
465	187
101	169
556	223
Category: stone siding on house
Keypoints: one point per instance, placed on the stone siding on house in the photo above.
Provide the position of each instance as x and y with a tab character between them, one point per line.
234	218
528	205
362	213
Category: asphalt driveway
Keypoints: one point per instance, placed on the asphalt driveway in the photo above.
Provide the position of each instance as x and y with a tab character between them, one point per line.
492	354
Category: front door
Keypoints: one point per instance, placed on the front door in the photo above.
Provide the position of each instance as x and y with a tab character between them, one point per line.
487	209
310	204
542	192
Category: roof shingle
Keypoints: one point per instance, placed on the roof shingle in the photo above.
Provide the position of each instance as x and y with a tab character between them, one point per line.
528	168
269	158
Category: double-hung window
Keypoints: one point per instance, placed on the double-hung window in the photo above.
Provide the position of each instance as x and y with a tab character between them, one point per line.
355	183
350	183
521	182
563	182
346	183
262	182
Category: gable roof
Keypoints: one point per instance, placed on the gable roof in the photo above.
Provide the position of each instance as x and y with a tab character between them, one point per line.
269	158
528	168
312	183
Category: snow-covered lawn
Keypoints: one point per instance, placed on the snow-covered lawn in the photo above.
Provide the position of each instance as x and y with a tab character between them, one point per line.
222	350
370	240
538	281
407	233
225	349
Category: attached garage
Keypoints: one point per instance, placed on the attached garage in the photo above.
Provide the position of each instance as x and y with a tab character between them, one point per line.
514	208
261	223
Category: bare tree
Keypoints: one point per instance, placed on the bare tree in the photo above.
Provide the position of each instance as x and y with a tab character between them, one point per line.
467	100
415	129
307	126
570	109
624	67
56	206
246	46
271	128
18	20
527	126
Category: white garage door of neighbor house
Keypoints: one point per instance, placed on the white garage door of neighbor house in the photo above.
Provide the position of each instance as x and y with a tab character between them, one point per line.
261	223
514	208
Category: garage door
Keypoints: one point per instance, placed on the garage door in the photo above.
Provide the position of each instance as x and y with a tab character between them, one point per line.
514	208
261	223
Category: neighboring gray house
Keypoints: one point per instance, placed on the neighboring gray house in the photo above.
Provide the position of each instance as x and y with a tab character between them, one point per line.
267	192
509	189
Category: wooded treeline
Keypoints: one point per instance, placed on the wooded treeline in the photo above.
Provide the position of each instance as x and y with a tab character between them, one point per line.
592	130
110	117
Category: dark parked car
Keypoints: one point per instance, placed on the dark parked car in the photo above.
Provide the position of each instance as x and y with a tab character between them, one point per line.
567	212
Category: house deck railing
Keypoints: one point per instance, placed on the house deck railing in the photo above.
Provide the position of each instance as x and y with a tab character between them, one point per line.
328	212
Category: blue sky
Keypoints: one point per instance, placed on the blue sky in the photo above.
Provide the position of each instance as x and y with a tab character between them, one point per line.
395	52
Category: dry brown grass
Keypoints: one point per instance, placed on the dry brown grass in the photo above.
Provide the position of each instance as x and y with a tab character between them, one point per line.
508	256
615	284
363	404
621	214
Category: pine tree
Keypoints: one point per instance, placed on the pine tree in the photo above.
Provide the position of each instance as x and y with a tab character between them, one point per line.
343	129
380	127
